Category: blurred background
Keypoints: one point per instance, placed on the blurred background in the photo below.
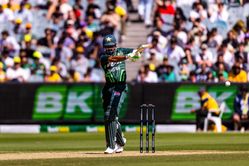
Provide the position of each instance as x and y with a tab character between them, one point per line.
50	72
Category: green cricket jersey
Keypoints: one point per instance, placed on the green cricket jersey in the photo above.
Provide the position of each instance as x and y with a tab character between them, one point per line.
115	71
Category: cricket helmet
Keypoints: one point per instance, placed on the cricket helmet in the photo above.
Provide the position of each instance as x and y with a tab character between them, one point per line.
109	41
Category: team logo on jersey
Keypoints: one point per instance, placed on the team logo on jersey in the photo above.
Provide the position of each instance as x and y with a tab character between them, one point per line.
112	64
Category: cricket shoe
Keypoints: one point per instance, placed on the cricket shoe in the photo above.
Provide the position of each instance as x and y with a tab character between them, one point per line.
120	148
110	150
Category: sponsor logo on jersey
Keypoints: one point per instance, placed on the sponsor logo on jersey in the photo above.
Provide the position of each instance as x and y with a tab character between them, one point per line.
116	93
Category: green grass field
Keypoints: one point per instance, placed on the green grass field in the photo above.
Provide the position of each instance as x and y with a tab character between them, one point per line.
209	149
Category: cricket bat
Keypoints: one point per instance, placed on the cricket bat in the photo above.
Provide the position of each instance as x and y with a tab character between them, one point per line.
142	47
137	52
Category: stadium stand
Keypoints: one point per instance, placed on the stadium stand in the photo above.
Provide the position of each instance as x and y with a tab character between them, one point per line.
197	38
210	30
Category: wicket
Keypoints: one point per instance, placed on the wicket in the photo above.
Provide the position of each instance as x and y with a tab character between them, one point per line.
147	109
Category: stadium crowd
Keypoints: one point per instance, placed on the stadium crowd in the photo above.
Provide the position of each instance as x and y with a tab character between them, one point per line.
197	41
56	40
61	40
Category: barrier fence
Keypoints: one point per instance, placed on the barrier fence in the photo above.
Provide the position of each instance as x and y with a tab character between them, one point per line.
82	104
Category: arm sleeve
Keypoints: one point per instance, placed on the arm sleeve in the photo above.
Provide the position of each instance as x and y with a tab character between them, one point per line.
104	59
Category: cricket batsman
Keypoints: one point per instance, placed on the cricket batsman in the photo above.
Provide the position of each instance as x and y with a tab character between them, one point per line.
115	89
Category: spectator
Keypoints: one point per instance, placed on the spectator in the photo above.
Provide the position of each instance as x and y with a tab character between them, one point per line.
74	76
93	75
53	75
220	60
153	59
93	9
156	49
220	73
38	69
87	76
198	31
18	30
179	17
193	47
198	12
67	31
28	32
17	73
6	59
169	75
61	68
9	42
97	73
54	13
6	15
214	39
164	7
184	70
23	13
237	74
188	57
192	77
181	35
202	73
227	55
63	53
241	105
146	75
208	104
221	14
78	10
231	39
174	52
47	40
65	9
80	63
221	78
240	29
144	11
110	20
242	56
210	77
123	16
141	75
161	40
66	37
205	56
28	47
130	5
164	14
2	73
24	63
92	25
162	69
70	29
